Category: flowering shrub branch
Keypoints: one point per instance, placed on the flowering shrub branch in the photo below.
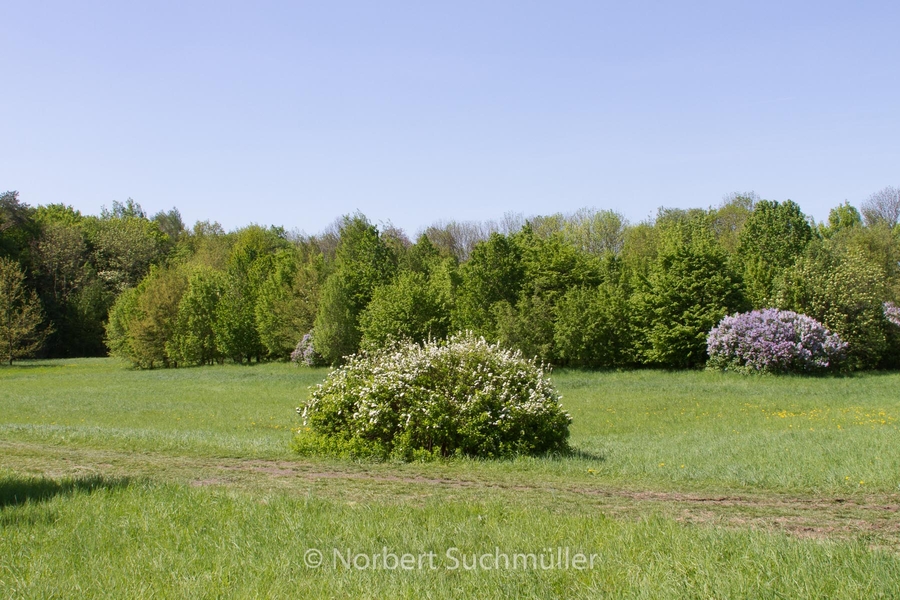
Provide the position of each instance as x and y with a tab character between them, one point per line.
773	341
461	396
892	313
305	355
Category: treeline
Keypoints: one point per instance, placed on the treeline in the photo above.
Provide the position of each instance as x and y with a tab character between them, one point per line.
587	289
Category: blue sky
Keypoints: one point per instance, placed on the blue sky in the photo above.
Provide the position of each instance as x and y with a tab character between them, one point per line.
294	113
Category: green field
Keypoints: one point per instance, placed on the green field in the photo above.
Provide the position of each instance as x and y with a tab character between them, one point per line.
180	483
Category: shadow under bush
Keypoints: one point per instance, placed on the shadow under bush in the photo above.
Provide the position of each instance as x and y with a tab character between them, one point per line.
15	490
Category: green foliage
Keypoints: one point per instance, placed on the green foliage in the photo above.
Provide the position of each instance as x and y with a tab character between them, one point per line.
235	326
842	217
336	330
60	257
207	244
410	308
21	317
596	232
690	287
250	263
640	247
879	244
772	239
843	290
528	326
594	326
458	397
193	339
82	328
17	227
253	245
494	273
159	295
363	262
527	287
552	265
121	314
66	280
125	244
287	300
421	256
143	319
275	323
170	223
729	218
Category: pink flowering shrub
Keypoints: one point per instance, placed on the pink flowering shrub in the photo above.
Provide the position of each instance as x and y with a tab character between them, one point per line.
892	313
773	341
305	355
458	397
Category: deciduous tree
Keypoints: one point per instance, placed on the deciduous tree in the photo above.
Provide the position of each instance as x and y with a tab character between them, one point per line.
21	317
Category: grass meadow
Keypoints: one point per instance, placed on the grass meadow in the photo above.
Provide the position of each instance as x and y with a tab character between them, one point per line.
181	483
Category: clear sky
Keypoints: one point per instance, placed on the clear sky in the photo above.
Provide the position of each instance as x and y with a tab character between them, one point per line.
294	113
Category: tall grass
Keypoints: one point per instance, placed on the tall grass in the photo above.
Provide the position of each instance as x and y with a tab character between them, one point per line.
170	541
122	483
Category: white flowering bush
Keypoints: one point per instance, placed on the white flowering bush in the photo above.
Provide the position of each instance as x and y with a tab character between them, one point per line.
457	397
773	341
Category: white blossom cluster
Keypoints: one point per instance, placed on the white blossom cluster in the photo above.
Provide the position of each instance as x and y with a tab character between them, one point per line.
457	396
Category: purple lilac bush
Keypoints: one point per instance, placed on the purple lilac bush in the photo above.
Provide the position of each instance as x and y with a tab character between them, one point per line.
773	341
305	355
892	313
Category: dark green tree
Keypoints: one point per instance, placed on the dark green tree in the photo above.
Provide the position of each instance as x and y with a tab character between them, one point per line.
495	273
409	308
690	287
594	326
363	262
22	332
17	227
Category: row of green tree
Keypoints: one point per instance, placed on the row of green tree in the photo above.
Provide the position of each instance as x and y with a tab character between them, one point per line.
587	289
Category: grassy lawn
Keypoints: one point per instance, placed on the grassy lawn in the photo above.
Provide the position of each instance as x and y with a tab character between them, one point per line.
180	483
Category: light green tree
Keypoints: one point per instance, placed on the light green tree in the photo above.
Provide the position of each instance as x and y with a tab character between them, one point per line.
194	340
844	290
287	300
772	239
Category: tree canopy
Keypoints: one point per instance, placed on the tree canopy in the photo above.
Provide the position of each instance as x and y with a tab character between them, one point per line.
586	289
